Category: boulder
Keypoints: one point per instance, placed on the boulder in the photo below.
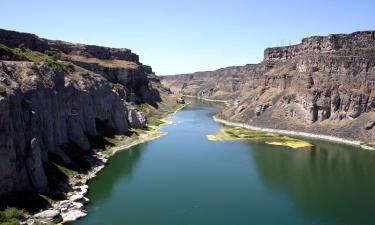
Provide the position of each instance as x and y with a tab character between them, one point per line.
50	215
73	215
136	118
370	124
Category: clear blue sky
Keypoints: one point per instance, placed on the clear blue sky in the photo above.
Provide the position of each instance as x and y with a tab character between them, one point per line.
192	35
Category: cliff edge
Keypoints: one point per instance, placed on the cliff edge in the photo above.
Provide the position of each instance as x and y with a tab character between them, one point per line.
57	98
324	85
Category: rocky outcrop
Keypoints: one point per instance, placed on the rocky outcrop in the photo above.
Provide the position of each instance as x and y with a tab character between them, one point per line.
15	39
323	85
55	97
136	118
47	216
45	109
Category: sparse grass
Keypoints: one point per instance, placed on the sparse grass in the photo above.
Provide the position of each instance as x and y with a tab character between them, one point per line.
50	58
11	216
4	50
149	110
40	223
237	133
291	143
117	87
3	90
155	122
56	65
68	172
155	83
108	61
102	144
30	55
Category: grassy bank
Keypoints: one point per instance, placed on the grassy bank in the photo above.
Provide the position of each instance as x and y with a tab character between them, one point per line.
151	132
238	133
295	134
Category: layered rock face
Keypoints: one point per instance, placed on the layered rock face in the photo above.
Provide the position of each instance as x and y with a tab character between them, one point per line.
44	108
324	85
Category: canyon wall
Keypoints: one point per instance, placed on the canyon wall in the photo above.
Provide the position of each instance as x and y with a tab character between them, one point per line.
324	85
55	94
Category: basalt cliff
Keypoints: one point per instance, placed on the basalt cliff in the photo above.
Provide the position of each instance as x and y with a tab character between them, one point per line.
57	97
324	85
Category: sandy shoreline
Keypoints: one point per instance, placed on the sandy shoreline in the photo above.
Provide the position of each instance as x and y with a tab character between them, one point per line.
295	133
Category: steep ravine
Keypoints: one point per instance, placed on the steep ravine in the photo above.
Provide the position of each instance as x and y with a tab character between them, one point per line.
325	85
57	102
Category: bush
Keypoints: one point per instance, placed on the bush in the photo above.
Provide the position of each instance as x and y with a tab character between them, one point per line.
56	65
117	87
53	54
22	47
11	216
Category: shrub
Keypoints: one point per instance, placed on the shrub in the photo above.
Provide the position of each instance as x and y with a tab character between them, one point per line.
53	54
117	87
11	216
22	47
56	65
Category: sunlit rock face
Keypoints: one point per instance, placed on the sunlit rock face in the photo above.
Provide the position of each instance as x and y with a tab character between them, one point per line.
323	85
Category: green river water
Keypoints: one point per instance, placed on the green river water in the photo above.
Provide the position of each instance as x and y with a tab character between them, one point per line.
184	179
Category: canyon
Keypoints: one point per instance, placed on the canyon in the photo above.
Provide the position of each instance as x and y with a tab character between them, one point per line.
57	99
324	85
63	104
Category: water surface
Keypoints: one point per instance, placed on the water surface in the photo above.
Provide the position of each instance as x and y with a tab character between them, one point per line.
184	179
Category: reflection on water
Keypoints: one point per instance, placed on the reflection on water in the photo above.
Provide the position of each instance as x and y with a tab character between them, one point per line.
182	179
121	168
331	180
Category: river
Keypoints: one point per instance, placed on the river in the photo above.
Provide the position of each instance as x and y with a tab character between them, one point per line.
184	179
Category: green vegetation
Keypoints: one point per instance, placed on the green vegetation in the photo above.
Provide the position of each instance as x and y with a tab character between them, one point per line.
237	133
116	86
154	122
50	58
102	143
39	223
68	172
2	90
53	54
108	61
11	216
149	110
56	65
5	51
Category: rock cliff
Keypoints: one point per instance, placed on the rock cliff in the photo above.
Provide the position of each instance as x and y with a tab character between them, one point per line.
55	94
324	85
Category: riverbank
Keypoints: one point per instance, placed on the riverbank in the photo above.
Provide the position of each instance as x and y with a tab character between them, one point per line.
73	208
226	103
296	133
